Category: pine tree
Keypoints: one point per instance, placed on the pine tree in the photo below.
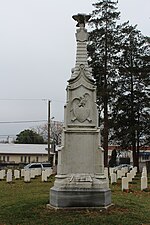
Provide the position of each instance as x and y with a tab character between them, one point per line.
103	56
130	114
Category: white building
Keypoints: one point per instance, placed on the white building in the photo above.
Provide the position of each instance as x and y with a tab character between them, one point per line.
22	153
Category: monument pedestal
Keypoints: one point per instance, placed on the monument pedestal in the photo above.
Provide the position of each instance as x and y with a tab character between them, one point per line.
72	197
80	190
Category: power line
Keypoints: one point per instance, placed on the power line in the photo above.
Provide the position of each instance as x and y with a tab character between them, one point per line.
7	135
29	99
24	121
22	99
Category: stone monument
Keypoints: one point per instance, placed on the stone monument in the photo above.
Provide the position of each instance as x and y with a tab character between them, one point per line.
80	180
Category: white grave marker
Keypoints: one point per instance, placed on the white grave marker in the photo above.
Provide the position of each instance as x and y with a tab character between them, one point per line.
129	176
49	172
123	171
9	176
143	183
134	170
2	174
22	172
125	184
113	178
44	176
32	173
17	174
26	176
119	174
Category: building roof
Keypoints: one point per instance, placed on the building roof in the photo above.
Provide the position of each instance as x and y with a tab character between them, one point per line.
23	149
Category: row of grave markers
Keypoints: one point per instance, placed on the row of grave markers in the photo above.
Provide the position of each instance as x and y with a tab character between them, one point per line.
124	174
27	175
126	177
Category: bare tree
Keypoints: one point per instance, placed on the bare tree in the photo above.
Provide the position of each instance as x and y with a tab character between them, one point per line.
55	131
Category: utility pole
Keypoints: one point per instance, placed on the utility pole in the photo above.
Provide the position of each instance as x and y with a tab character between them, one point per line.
49	125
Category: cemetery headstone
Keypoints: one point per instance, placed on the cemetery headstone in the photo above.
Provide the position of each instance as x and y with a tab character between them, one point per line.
26	176
113	178
129	177
125	183
44	176
119	174
9	176
17	174
22	172
32	173
123	172
134	171
2	174
143	183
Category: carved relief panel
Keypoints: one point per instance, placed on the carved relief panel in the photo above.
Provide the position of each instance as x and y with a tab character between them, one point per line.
80	108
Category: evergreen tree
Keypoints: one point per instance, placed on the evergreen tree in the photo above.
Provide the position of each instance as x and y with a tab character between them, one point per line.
29	137
113	160
130	113
103	57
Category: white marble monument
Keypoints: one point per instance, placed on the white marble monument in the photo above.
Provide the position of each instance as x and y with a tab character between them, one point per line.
80	179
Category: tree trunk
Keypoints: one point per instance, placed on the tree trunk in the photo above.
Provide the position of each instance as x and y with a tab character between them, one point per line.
138	141
133	131
105	144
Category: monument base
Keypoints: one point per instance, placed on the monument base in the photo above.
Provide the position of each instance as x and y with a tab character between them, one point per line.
64	197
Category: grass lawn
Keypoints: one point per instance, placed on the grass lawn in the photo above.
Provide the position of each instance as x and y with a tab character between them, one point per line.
25	203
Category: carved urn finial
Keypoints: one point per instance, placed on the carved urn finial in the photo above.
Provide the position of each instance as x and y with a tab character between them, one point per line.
81	54
81	19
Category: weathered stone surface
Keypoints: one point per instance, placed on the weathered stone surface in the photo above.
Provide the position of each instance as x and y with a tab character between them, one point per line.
80	180
80	197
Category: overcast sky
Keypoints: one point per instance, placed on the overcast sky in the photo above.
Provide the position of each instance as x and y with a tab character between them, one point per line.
37	52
